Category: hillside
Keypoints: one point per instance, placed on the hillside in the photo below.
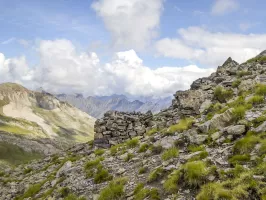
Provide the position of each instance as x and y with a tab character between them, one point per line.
38	122
210	144
96	106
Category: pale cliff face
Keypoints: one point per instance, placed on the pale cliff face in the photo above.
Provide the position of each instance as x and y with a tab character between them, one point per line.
41	115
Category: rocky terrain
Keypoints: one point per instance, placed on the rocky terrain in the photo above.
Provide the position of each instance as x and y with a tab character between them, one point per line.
96	106
39	122
210	144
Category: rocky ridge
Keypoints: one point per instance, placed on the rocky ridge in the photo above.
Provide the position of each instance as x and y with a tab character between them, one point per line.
210	144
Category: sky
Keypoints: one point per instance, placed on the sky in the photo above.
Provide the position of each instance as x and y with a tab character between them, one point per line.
132	47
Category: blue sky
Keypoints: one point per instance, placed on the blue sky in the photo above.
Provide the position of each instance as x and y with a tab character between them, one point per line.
164	33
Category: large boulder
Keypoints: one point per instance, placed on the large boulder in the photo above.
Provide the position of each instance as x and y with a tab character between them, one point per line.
189	102
237	130
218	122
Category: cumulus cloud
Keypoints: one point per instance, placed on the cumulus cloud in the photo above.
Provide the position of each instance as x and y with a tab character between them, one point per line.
221	7
15	70
132	23
62	68
211	48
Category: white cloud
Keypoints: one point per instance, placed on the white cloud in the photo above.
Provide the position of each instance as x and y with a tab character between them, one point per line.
211	48
14	70
8	41
221	7
132	23
63	69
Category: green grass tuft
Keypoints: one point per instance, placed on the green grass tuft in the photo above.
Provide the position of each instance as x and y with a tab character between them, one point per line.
222	95
132	143
114	190
171	184
170	153
245	145
195	173
99	152
143	148
156	174
182	125
239	159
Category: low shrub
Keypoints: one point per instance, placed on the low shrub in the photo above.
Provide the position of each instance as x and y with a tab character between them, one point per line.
170	153
27	170
262	149
202	155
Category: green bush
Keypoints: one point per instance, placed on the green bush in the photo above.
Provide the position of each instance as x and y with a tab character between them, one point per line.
239	159
171	184
181	126
259	59
222	95
245	145
132	143
256	100
195	173
155	174
236	83
114	190
239	113
99	152
260	89
170	153
143	148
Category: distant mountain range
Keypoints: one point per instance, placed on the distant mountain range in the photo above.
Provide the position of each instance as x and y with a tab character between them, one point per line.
96	106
